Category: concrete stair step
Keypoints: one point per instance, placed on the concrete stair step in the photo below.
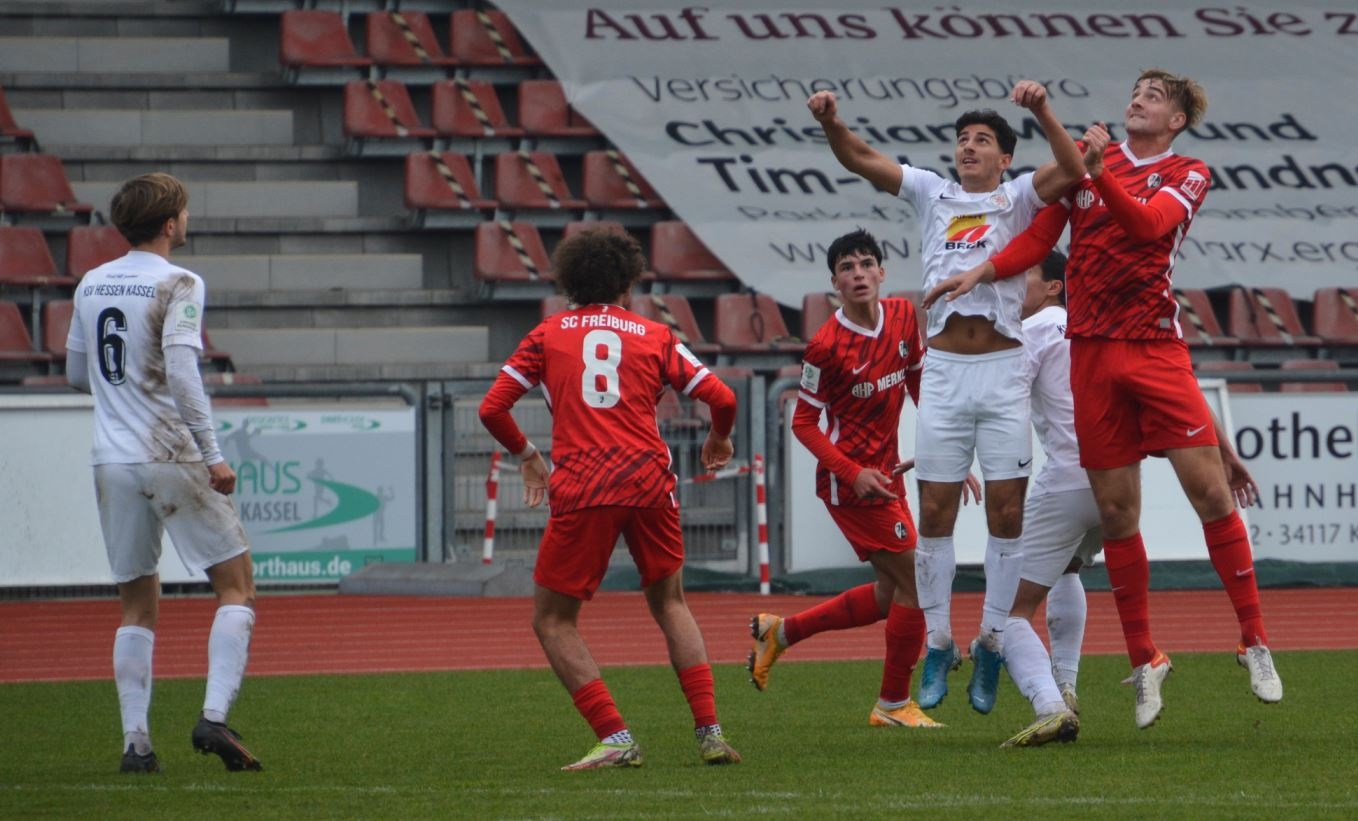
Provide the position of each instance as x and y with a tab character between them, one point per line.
111	127
306	272
252	349
254	200
100	55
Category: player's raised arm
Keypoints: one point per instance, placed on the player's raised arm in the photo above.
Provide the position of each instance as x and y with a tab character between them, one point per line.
1143	222
1052	179
854	154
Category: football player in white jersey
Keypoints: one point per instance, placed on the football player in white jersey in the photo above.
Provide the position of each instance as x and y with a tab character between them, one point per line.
974	398
134	343
1061	531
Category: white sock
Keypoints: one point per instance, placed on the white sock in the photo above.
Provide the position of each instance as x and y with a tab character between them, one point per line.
132	651
228	647
1030	667
935	567
1067	609
1003	561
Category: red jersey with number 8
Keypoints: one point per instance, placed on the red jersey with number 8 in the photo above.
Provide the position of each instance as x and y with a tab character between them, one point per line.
602	369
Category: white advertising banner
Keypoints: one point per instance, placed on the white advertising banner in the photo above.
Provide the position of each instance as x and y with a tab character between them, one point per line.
709	102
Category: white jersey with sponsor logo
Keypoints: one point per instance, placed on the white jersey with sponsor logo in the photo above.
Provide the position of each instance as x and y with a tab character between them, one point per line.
1053	405
126	312
959	231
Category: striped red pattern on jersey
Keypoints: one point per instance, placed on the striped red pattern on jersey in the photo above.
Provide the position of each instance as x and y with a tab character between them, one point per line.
862	384
1118	287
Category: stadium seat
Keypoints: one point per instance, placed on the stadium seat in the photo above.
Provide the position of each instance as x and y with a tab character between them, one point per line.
752	323
17	355
213	356
32	184
677	253
674	310
89	246
10	132
26	261
45	380
544	112
56	326
1221	368
317	42
1201	329
612	182
404	38
469	108
486	38
381	110
532	180
510	252
817	308
1335	320
1266	323
440	189
1312	366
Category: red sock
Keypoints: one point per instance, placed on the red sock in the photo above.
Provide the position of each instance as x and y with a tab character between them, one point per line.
904	640
697	684
1228	546
595	703
1130	576
855	607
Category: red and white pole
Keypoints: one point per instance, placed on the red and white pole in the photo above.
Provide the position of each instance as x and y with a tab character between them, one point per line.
762	517
492	491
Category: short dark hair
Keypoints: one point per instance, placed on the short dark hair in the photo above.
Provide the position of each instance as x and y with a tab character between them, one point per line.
854	242
991	119
597	266
142	205
1054	270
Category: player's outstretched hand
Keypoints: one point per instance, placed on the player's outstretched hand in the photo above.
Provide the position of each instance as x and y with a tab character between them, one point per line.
960	284
1029	94
971	486
1243	487
873	484
534	472
717	452
1096	142
824	107
221	478
903	467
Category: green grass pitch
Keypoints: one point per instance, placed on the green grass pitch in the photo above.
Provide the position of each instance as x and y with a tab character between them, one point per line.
489	745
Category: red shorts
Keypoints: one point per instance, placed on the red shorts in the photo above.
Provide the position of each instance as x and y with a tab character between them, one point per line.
575	550
888	527
1135	399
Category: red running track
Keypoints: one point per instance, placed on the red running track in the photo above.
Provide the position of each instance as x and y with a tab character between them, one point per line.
313	634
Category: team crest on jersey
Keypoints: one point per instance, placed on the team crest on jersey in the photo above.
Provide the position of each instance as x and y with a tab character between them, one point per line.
810	378
1084	199
900	530
900	346
966	232
1000	199
1194	185
1153	181
863	390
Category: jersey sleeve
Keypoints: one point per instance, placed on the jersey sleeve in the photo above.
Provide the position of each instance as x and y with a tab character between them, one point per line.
1170	206
1033	245
184	314
917	184
75	337
518	376
811	401
687	374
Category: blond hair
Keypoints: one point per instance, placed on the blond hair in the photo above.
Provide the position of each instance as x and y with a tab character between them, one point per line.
1184	92
142	205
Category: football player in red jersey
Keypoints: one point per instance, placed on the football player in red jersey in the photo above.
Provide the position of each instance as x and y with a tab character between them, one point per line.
1135	393
857	370
602	369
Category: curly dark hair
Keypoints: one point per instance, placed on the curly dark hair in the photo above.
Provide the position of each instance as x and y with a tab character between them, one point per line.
597	266
854	242
991	119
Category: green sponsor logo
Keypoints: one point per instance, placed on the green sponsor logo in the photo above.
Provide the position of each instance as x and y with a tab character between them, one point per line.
351	421
352	503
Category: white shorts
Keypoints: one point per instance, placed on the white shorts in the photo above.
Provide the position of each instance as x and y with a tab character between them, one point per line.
1058	527
138	502
974	406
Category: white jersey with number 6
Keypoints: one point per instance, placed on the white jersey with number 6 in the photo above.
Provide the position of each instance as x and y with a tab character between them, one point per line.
126	312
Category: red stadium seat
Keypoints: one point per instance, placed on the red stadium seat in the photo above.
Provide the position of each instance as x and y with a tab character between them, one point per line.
1201	329
56	326
817	308
532	180
1336	315
486	38
469	108
611	181
677	253
442	181
752	323
9	129
316	40
16	346
1314	366
1266	318
673	310
404	38
544	112
510	252
26	261
1220	368
89	246
37	184
382	110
